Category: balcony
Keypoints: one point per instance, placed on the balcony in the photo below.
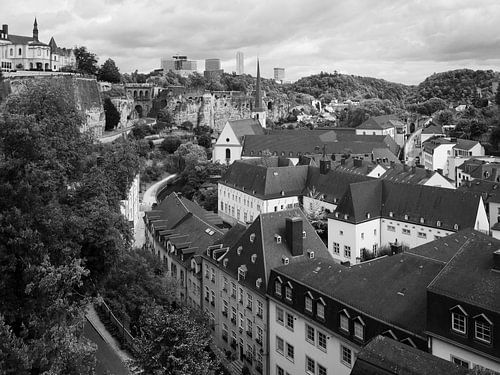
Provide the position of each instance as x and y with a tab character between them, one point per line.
224	337
233	320
259	315
224	313
258	341
212	302
249	307
241	329
249	334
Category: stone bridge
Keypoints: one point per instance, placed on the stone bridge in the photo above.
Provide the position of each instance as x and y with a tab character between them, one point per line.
143	94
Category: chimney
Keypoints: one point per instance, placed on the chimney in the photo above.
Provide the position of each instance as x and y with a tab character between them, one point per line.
294	235
5	29
393	163
496	260
358	163
324	163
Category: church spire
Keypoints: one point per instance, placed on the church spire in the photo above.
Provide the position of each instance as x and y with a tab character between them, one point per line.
258	94
35	31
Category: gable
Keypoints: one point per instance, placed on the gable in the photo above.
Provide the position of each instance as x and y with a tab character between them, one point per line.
227	137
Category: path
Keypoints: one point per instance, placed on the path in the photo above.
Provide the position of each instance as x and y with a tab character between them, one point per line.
109	355
148	199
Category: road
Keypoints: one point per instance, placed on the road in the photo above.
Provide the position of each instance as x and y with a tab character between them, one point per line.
148	199
411	152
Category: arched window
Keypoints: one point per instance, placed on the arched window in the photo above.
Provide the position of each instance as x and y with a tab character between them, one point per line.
12	51
146	94
140	94
135	93
20	51
228	153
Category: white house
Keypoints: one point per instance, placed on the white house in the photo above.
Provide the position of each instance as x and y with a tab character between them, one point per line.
379	125
379	214
462	151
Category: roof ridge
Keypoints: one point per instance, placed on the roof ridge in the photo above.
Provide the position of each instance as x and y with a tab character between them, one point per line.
263	250
460	250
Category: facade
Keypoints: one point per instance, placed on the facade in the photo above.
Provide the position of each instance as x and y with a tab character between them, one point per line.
212	64
178	231
235	278
240	63
29	53
321	314
376	215
279	74
179	65
251	187
464	150
379	125
130	207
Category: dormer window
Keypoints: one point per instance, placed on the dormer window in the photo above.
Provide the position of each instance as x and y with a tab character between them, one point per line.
239	250
304	234
258	282
285	260
288	292
359	328
320	309
438	223
344	320
277	238
391	214
253	258
277	287
252	237
482	328
224	262
308	302
310	253
406	217
242	271
422	220
458	320
455	227
346	216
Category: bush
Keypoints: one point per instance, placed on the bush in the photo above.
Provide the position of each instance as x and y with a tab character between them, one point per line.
170	144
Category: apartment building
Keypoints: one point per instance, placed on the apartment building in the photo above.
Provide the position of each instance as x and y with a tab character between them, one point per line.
379	214
235	278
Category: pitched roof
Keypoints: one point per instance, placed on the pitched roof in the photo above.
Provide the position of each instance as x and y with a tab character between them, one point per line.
416	202
489	190
259	240
408	175
265	182
465	144
385	356
246	127
379	122
432	143
20	39
469	275
390	289
432	129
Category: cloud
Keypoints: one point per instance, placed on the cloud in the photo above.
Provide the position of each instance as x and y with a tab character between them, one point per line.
401	41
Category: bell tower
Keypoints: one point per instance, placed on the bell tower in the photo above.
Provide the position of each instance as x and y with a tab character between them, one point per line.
35	31
259	112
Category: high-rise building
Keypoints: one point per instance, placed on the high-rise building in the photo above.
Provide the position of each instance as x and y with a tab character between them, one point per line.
279	74
212	64
179	64
240	63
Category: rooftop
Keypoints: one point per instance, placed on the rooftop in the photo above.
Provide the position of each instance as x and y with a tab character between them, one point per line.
385	356
379	122
246	127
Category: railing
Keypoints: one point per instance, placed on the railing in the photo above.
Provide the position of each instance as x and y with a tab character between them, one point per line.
124	332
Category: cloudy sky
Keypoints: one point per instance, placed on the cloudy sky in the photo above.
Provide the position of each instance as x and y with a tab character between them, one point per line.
398	40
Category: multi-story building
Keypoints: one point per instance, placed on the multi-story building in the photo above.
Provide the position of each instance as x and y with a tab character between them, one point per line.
375	215
279	74
379	125
179	65
235	279
240	63
321	313
478	168
19	52
257	186
212	64
178	231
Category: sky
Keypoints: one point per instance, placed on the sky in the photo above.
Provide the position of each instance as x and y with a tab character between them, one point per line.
398	40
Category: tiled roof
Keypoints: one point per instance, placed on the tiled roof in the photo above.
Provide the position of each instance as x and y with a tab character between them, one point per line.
432	129
395	200
469	275
20	39
391	289
246	127
385	356
465	144
259	240
434	143
333	185
265	182
408	175
490	191
378	122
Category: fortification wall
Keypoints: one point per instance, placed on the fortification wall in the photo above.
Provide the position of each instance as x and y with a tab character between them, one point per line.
126	108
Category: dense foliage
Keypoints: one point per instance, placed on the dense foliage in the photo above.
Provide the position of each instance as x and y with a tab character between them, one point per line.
109	72
112	115
86	61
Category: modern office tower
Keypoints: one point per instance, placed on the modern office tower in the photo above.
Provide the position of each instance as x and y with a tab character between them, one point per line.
279	74
240	63
212	64
179	64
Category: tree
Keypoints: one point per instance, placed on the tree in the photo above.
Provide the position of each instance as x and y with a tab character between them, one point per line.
86	62
190	154
112	115
205	140
170	144
175	341
109	72
497	97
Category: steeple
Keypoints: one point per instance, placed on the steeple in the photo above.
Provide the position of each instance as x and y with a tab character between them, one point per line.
258	94
259	113
35	31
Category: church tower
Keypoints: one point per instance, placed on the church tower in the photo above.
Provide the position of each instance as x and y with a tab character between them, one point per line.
259	112
35	31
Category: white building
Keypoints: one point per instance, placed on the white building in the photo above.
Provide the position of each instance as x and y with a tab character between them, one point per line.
380	214
240	63
229	145
130	207
379	125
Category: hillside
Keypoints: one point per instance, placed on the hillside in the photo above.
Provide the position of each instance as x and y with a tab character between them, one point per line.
329	86
457	86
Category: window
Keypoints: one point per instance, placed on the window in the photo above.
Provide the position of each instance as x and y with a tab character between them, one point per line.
233	314
212	275
459	362
391	228
482	331
249	302
277	288
249	327
279	370
320	310
233	290
280	316
362	236
406	231
359	330
347	251
458	322
289	321
321	370
290	352
224	307
341	232
260	335
225	284
310	366
421	235
344	322
310	334
309	304
260	309
321	341
288	293
346	355
336	248
280	346
240	295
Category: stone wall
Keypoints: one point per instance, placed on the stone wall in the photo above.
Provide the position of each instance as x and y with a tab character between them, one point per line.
126	108
215	109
